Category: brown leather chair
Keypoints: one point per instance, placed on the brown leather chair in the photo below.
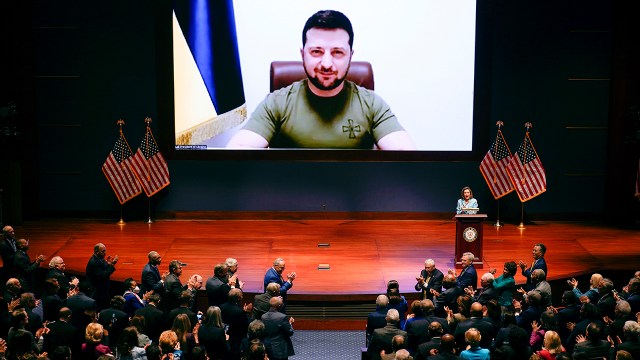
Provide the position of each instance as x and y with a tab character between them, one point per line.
284	73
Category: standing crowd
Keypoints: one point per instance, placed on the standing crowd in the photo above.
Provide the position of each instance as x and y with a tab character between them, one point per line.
156	318
500	320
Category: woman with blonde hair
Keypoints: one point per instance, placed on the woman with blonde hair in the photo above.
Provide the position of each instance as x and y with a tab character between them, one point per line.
593	293
93	348
182	328
169	346
212	336
551	346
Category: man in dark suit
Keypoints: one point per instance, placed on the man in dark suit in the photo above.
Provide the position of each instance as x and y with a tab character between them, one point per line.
538	263
99	272
377	319
82	306
51	302
487	331
486	293
173	288
631	342
607	303
398	344
448	298
261	301
184	308
24	268
593	347
274	274
468	275
236	316
28	303
151	278
114	320
218	285
430	278
278	330
56	270
534	310
435	332
587	316
7	250
382	338
154	318
570	313
61	333
447	346
12	290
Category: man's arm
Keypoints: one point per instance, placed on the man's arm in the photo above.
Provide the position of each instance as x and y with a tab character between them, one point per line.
246	139
397	140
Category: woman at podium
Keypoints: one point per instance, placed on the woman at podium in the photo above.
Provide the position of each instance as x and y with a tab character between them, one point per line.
467	204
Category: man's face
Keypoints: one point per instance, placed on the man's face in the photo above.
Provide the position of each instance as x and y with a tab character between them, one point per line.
10	233
429	268
484	282
280	267
326	57
60	265
102	251
23	244
233	269
466	261
197	283
537	252
178	270
156	259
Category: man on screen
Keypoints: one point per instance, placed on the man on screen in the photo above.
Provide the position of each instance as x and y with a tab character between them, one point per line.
324	110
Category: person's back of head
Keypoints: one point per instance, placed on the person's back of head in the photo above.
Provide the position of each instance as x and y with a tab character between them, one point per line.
623	355
235	296
398	342
435	329
416	308
472	337
154	299
185	298
518	339
534	298
153	352
594	332
256	330
198	353
256	351
84	287
569	298
449	281
631	330
447	343
117	302
382	301
427	307
167	341
276	302
403	354
476	310
588	311
273	289
393	317
61	353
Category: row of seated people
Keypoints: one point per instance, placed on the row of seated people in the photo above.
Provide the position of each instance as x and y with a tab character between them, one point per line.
497	322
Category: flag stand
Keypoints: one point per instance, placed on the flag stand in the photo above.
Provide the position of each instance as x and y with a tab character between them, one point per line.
497	224
521	226
121	221
149	221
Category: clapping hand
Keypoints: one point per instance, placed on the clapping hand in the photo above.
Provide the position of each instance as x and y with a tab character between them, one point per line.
436	294
535	326
580	338
291	276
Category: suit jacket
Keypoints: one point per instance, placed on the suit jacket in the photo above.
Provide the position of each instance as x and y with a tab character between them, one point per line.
468	277
381	340
154	321
277	334
7	251
151	280
217	291
424	349
172	290
78	304
485	294
261	305
606	306
538	264
193	318
114	321
62	334
214	341
62	281
486	331
448	298
238	321
273	276
99	274
590	350
444	356
24	270
417	333
435	282
633	347
51	306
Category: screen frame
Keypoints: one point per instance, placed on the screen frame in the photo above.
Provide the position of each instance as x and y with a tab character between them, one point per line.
165	109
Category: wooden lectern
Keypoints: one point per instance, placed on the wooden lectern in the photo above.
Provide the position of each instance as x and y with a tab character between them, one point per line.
469	237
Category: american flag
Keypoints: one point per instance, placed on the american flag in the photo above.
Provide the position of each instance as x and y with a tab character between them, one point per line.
494	168
117	169
526	171
150	166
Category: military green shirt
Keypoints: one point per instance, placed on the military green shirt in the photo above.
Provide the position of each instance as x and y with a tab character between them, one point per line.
294	117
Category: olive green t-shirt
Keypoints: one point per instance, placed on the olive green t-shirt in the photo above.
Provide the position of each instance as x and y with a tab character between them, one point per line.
294	117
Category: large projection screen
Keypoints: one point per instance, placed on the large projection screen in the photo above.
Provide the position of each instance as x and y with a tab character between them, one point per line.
424	59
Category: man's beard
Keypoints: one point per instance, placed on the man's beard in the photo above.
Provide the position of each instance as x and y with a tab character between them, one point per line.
316	82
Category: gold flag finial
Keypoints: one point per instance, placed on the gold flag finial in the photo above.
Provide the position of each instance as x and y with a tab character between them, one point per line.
147	120
528	125
499	124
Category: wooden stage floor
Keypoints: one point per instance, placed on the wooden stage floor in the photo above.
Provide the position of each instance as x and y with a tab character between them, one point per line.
363	254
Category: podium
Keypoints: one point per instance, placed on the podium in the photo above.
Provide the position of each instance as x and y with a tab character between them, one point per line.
469	237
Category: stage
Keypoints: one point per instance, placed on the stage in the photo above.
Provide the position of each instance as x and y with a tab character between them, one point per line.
362	255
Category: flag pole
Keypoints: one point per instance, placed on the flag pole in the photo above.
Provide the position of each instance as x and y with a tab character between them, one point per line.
120	122
149	221
521	226
148	120
121	221
497	224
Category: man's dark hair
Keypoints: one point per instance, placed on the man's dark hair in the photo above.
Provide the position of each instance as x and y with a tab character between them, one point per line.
398	342
128	282
61	353
569	297
328	19
594	332
435	329
153	352
84	286
256	350
117	302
